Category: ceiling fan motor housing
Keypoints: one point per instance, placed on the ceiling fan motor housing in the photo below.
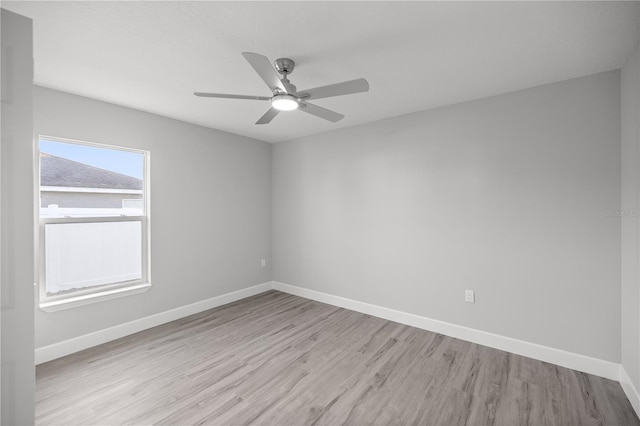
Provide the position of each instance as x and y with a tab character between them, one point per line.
284	65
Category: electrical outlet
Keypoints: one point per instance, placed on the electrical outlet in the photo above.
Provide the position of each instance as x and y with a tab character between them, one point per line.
263	263
469	296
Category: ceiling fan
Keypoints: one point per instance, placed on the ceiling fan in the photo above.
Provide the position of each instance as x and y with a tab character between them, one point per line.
286	96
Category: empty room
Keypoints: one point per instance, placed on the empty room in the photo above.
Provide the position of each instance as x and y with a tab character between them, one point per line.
320	213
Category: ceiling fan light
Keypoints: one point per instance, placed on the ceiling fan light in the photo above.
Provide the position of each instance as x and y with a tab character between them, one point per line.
284	102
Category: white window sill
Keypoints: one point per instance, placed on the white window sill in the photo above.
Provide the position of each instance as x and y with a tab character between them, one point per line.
86	299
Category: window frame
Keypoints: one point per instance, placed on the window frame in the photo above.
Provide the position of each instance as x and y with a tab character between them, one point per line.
56	302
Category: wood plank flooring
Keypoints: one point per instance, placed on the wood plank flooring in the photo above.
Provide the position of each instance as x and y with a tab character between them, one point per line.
277	359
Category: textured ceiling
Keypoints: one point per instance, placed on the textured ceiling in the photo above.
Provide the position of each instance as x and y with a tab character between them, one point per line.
416	55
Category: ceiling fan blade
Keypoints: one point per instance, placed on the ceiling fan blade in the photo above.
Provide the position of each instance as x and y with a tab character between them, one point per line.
263	67
345	88
268	116
327	114
223	95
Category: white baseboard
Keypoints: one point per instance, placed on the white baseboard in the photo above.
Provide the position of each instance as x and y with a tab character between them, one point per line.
66	347
599	367
630	390
607	369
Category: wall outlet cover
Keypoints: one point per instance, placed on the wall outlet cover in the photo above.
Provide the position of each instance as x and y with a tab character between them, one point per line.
469	296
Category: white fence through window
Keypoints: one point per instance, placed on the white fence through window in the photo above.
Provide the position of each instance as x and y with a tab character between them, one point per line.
81	255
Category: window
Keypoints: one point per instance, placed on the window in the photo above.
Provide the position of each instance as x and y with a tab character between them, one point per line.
94	222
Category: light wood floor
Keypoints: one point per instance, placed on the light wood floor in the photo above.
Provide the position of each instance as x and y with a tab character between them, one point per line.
277	359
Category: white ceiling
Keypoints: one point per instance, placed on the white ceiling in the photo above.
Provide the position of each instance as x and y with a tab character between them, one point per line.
152	55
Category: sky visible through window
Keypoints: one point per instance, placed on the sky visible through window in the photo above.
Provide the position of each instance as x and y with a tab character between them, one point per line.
124	162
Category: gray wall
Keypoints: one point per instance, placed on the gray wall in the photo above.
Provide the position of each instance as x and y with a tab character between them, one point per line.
506	196
16	153
211	248
630	90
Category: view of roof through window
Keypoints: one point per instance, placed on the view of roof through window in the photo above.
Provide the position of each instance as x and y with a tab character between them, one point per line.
78	180
115	160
